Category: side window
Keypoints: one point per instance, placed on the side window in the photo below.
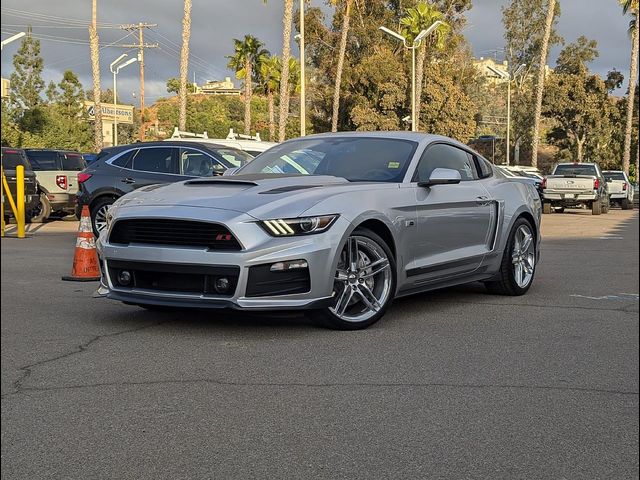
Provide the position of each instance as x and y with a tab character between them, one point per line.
197	164
154	160
124	160
484	167
445	156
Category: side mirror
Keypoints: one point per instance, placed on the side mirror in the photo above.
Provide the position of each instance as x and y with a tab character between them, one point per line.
442	176
229	171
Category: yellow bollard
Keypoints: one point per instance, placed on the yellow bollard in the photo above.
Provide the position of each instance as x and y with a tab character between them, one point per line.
20	200
2	198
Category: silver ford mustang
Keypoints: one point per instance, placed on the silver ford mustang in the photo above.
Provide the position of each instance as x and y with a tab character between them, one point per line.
336	224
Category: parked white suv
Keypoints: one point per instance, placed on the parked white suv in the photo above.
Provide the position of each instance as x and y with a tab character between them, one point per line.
253	145
620	189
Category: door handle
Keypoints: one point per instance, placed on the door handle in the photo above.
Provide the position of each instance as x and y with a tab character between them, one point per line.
128	181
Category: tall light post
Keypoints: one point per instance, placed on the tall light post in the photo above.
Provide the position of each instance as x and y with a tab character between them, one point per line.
509	77
115	69
11	39
413	47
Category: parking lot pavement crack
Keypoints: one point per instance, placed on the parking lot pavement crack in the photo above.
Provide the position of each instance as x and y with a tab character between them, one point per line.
27	370
224	383
623	309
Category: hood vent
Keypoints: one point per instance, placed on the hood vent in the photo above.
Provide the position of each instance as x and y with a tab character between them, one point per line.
220	181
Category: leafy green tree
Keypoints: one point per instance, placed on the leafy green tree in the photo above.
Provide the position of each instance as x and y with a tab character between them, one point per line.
248	54
573	59
27	85
524	24
614	80
173	85
419	18
579	103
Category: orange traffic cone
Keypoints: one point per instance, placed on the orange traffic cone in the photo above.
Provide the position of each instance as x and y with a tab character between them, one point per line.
86	267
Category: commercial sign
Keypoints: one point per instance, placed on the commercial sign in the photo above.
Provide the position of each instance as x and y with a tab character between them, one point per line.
124	113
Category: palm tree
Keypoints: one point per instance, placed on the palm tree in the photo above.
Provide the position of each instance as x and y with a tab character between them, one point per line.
286	54
343	48
419	18
631	6
95	70
544	50
248	54
269	72
184	65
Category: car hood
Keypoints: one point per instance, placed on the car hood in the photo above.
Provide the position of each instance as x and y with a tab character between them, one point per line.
260	196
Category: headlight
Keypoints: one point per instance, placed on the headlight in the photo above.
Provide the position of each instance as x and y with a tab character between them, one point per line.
288	227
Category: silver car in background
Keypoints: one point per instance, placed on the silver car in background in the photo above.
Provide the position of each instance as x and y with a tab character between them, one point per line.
335	224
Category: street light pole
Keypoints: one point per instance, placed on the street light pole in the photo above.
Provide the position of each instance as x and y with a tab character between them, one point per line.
413	47
509	77
115	69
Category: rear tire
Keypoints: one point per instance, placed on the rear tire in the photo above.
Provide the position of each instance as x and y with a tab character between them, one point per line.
626	205
546	208
362	293
596	207
519	254
42	211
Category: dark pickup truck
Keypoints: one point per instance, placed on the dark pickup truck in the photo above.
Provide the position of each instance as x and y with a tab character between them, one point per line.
11	158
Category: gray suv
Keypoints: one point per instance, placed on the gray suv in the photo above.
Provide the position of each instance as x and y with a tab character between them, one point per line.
120	170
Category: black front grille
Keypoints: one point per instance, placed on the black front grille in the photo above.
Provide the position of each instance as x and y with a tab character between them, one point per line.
184	233
166	277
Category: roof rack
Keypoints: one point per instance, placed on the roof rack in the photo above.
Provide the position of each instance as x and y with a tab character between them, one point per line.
181	134
238	136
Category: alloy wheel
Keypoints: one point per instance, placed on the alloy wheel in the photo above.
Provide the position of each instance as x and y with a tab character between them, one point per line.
523	256
100	220
363	280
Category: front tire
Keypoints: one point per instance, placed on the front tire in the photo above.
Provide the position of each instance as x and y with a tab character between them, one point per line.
519	261
364	283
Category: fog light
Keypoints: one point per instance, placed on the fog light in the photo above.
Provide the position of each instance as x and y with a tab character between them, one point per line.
290	265
222	284
124	277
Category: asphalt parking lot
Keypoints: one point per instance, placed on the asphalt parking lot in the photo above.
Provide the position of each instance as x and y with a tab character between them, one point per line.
451	384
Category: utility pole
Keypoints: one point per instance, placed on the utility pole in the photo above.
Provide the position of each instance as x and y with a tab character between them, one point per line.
140	46
95	71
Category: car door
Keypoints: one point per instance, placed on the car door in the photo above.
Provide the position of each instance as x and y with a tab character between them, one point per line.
196	163
455	223
148	166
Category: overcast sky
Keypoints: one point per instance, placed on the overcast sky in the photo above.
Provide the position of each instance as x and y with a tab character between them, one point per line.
61	26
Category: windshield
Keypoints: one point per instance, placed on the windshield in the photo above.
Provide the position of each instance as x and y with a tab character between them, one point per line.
575	169
12	158
235	157
614	175
365	159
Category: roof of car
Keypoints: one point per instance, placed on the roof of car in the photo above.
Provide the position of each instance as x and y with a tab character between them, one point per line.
164	143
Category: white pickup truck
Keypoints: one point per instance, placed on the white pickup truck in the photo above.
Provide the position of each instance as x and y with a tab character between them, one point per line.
576	185
620	189
57	174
